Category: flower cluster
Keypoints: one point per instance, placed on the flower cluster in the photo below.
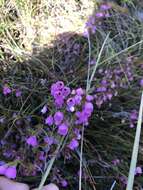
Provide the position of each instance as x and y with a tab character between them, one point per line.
8	90
95	20
8	171
69	101
60	93
64	116
111	80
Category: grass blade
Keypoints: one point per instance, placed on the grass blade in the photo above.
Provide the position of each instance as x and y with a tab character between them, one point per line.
113	185
135	149
97	62
81	159
43	180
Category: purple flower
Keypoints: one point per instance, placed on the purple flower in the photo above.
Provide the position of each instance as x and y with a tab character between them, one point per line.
58	94
104	82
58	117
8	153
99	102
32	140
66	91
132	125
77	133
6	90
99	15
44	109
105	7
73	144
93	62
130	59
73	92
100	71
53	89
2	163
141	82
59	102
80	91
115	93
63	129
71	102
116	162
11	172
134	115
49	120
59	85
138	170
107	15
113	85
101	89
93	30
88	107
76	47
131	78
78	99
14	115
109	95
104	98
2	119
49	140
82	117
3	169
41	156
18	93
71	109
92	20
85	33
89	98
64	183
88	24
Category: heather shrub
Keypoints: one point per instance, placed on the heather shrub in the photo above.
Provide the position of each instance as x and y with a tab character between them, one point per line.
46	101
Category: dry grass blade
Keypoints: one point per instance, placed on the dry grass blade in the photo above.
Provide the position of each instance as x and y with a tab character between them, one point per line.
135	148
